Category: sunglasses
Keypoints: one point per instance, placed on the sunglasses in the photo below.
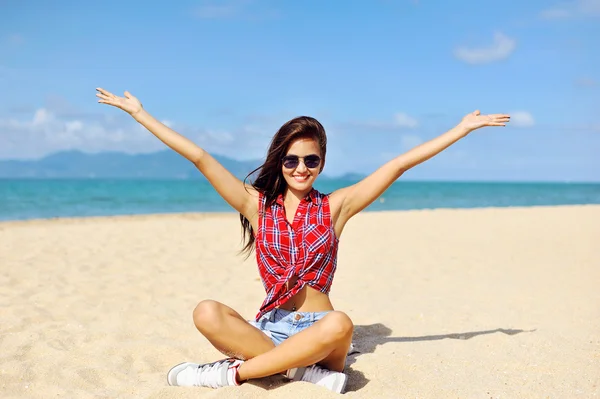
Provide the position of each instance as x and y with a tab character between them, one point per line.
310	161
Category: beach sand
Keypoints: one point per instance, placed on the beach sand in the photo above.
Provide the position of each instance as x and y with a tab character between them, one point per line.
480	303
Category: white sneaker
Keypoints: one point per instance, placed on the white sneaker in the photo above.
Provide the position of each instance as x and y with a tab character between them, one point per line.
213	375
331	380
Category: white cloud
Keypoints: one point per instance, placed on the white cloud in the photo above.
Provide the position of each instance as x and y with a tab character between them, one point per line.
403	120
219	137
46	130
572	9
73	126
41	117
521	119
502	48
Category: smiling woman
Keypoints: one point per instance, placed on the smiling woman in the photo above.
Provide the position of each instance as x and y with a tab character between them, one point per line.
297	170
295	231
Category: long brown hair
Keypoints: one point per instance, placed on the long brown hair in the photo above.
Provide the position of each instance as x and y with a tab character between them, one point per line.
270	181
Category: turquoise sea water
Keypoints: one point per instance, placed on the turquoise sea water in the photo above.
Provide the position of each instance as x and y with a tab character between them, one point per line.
33	199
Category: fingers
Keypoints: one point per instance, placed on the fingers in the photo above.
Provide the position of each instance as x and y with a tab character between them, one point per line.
105	92
104	99
107	97
500	115
104	95
495	117
498	119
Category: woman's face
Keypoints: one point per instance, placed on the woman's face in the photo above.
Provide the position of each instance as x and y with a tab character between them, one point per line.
301	164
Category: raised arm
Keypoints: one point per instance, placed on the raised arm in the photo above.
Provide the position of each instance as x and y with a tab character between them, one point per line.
355	198
242	198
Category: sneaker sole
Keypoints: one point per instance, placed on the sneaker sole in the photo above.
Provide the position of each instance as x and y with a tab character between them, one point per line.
172	374
340	386
296	375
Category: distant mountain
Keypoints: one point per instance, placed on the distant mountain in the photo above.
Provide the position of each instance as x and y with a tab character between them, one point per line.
76	164
165	164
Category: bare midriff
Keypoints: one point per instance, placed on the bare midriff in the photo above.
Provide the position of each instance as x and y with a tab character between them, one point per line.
307	300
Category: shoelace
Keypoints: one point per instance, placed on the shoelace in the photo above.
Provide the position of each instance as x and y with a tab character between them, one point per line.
315	374
208	374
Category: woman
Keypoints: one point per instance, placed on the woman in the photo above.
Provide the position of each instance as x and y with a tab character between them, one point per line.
294	230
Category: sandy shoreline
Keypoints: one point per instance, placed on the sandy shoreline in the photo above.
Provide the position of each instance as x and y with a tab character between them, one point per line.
468	303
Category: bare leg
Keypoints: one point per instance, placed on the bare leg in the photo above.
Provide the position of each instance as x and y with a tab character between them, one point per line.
326	342
229	332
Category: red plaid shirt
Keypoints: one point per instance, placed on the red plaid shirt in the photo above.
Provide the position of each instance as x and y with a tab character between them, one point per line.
306	248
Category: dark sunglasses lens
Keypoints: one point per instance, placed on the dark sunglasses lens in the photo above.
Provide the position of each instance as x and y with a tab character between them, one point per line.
312	161
290	162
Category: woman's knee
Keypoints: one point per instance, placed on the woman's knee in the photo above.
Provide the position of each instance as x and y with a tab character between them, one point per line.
337	327
208	315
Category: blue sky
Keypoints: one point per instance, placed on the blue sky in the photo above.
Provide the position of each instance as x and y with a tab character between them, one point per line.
382	76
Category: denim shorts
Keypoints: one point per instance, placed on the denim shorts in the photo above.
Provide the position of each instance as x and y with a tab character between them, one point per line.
279	324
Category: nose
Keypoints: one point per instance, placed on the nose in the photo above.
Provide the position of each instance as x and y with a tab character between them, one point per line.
301	167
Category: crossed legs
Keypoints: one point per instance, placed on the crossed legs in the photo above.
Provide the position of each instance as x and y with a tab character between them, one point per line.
325	343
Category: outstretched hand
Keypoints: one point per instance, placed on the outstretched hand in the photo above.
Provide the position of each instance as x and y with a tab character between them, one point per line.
128	103
475	121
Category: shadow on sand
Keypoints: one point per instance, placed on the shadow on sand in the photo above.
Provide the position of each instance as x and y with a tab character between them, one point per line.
367	338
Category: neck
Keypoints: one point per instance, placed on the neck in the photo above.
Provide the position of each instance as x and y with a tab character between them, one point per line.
295	195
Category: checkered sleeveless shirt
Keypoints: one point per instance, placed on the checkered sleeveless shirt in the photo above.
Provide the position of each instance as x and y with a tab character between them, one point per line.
306	248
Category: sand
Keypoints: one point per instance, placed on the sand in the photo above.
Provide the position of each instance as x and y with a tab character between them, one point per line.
482	303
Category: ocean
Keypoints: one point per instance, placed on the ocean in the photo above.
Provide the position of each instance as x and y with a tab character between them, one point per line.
41	199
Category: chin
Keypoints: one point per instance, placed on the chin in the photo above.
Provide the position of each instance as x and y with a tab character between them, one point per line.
300	186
